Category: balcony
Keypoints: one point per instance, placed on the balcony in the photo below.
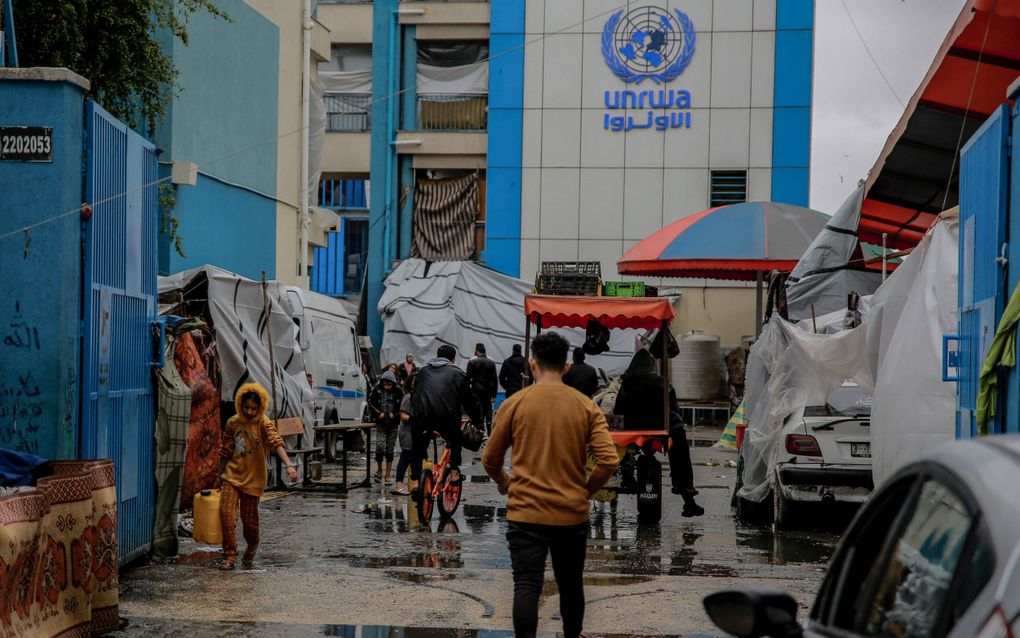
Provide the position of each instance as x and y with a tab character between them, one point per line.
343	194
452	112
348	112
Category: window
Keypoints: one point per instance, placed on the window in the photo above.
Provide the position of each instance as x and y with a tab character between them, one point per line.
896	574
727	187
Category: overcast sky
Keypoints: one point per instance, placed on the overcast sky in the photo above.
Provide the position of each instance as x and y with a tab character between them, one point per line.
854	110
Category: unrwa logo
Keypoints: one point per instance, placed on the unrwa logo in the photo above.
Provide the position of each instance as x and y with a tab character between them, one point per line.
648	43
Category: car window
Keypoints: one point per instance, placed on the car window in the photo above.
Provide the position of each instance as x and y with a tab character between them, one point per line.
847	400
902	592
976	575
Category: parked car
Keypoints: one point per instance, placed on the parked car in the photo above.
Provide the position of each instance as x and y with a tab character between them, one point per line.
934	553
826	455
330	347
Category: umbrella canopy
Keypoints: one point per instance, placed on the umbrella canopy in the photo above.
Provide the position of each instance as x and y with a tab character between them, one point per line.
730	242
612	312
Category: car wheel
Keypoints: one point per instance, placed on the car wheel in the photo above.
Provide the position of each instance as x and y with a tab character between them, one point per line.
783	510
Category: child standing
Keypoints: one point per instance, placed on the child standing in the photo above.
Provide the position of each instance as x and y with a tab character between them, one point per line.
385	403
406	445
248	439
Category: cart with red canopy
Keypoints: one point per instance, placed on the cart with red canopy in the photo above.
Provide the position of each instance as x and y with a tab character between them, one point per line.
642	313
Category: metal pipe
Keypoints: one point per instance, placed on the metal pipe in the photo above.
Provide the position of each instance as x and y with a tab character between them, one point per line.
665	375
11	41
759	278
306	48
885	255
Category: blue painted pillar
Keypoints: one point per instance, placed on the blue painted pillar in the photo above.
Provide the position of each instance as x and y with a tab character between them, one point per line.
506	128
40	258
385	60
408	122
791	123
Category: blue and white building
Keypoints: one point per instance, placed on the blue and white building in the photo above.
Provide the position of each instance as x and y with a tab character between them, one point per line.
605	120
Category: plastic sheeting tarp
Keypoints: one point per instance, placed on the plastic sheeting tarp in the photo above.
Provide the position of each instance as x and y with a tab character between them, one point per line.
832	266
346	81
913	408
242	326
896	353
469	78
316	134
462	303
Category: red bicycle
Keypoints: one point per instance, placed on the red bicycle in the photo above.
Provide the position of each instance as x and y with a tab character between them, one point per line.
436	486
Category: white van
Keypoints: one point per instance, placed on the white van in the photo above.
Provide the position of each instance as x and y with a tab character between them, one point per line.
329	344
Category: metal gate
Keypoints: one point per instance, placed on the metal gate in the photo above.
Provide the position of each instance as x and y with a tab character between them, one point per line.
118	309
983	207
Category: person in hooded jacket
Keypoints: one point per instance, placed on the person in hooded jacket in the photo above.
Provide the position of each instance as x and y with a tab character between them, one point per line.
384	402
639	402
481	370
511	373
248	438
442	394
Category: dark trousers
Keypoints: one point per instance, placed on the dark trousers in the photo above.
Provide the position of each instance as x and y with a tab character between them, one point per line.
402	464
421	437
680	470
486	406
529	546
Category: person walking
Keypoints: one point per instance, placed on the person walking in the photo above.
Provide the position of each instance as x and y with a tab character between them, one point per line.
384	401
407	371
581	376
639	402
406	440
248	439
511	373
550	427
441	395
481	370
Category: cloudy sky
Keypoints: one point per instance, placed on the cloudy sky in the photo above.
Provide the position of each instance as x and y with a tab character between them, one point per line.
854	109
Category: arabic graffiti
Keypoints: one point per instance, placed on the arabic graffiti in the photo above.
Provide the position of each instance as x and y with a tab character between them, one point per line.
21	412
20	332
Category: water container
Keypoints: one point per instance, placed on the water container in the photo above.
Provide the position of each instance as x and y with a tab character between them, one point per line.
207	518
697	372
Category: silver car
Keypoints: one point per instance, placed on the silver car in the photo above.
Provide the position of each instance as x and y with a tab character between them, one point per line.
933	554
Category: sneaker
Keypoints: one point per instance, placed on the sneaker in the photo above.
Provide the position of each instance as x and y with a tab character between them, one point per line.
692	509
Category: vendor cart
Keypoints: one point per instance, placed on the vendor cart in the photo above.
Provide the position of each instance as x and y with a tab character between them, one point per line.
639	472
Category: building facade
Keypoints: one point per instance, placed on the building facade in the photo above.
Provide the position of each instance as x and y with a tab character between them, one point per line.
602	121
231	140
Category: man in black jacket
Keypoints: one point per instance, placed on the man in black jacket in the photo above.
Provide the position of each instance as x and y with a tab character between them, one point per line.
511	374
581	376
481	370
442	393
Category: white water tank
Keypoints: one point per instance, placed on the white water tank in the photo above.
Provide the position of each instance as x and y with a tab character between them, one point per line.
697	372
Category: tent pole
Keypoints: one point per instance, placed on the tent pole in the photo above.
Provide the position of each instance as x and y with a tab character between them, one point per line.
527	351
885	255
759	278
665	374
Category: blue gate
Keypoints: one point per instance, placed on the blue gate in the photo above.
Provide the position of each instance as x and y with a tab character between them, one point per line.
983	206
119	288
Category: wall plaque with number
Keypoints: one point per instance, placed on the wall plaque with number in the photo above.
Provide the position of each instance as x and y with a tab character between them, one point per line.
26	144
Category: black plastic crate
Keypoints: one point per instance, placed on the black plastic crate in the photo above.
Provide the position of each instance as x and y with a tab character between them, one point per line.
589	268
651	291
567	285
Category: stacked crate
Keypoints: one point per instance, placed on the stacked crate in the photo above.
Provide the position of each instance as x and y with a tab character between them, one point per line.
569	278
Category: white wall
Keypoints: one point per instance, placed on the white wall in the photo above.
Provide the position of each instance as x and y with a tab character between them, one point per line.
589	193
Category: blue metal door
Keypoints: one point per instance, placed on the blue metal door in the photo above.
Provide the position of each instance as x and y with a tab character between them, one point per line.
119	287
982	293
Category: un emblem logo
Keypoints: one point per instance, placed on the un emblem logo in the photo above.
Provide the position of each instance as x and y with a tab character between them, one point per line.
648	43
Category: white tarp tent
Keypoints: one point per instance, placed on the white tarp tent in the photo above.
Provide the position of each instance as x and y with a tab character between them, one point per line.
467	78
241	327
896	353
461	303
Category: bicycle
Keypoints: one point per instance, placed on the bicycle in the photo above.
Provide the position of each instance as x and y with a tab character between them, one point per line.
444	491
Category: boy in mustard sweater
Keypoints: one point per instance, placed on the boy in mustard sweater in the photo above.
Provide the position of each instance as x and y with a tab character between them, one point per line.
248	440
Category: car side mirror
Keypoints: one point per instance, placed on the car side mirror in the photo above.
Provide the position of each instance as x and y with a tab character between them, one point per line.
754	612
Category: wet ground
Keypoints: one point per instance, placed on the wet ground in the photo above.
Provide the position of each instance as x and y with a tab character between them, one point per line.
361	565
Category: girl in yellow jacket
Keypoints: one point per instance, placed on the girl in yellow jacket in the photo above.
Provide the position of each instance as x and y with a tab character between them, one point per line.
247	441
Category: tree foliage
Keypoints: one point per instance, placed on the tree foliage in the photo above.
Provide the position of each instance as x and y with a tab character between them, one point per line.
118	45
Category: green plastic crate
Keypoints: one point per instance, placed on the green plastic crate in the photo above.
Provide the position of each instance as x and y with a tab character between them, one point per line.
624	289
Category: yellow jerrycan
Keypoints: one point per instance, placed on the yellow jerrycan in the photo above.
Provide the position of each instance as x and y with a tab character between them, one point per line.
207	527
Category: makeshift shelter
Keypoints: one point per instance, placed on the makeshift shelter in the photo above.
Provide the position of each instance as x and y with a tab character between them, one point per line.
832	267
738	242
462	303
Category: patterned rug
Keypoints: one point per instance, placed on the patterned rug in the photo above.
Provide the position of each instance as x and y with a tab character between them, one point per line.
58	554
202	461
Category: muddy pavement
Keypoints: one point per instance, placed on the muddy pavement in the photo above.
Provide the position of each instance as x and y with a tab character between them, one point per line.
361	564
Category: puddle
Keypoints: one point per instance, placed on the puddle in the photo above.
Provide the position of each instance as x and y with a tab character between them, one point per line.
205	558
615	581
422	578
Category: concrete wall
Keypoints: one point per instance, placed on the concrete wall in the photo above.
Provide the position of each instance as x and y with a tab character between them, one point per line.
286	15
41	284
347	23
725	312
225	119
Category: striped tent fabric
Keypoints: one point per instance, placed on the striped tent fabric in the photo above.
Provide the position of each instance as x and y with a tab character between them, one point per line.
445	211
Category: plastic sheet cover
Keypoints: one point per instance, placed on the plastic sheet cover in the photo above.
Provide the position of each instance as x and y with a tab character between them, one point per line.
461	303
896	353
